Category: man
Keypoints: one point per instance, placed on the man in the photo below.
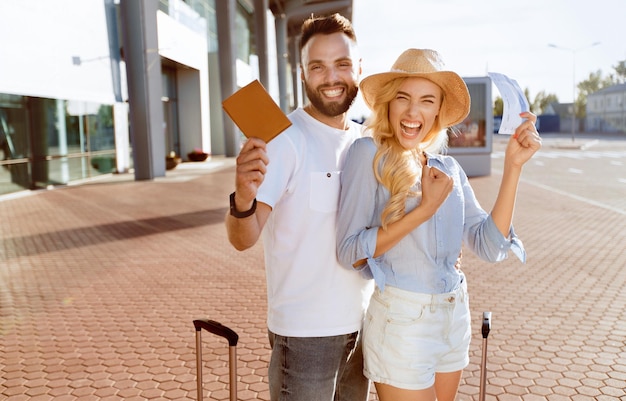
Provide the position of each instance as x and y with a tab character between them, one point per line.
288	192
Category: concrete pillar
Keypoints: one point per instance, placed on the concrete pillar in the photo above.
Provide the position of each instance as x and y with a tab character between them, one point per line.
225	10
122	145
64	168
143	72
260	24
298	95
281	55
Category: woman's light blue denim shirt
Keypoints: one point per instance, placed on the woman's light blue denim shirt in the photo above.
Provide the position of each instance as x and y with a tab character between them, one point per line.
424	260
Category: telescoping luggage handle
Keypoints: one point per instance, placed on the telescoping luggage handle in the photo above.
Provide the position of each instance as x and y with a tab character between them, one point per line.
483	363
232	337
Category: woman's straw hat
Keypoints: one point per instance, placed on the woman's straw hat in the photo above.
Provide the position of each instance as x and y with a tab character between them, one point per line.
427	64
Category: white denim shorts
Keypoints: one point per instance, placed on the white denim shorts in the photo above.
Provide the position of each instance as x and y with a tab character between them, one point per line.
408	337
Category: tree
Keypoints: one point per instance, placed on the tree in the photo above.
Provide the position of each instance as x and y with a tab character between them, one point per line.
592	84
596	82
542	101
527	96
498	106
620	70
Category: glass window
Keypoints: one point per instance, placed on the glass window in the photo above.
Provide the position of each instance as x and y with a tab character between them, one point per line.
471	133
206	9
49	141
243	27
14	148
170	110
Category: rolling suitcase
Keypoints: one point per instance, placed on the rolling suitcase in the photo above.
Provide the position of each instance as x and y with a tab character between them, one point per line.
232	337
483	361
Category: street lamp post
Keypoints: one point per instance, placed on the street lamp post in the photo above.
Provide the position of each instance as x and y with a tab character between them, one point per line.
573	79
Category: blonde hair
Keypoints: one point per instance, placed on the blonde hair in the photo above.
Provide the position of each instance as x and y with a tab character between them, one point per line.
394	166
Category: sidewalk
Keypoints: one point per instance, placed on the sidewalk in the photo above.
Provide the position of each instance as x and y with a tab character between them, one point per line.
100	282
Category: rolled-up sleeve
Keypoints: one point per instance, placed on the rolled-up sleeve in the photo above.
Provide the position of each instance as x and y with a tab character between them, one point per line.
490	245
356	239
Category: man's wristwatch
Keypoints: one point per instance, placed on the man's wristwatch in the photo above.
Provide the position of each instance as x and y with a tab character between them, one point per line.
236	213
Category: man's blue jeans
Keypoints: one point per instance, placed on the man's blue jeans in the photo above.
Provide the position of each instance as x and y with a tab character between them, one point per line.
317	368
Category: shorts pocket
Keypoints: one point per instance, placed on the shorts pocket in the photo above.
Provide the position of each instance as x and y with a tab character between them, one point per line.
406	317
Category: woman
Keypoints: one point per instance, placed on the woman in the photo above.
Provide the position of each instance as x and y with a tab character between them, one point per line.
405	212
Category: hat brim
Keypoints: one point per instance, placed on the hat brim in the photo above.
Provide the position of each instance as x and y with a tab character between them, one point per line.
456	95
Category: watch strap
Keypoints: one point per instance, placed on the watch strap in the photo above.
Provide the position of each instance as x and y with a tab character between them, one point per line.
236	213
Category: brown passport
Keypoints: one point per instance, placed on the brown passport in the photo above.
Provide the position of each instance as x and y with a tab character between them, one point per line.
255	112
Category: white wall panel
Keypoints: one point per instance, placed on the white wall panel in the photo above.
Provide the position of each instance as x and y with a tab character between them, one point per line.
40	39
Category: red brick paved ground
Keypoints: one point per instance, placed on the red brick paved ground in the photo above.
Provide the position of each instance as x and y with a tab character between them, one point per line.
99	284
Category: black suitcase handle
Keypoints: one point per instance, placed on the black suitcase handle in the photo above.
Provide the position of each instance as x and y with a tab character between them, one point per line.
218	329
486	324
486	328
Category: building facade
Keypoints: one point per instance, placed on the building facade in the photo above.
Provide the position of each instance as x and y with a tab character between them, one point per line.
64	107
92	87
606	110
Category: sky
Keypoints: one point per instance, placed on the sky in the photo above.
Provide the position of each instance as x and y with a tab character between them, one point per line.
510	37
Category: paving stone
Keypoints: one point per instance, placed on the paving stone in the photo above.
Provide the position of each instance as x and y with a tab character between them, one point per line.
100	282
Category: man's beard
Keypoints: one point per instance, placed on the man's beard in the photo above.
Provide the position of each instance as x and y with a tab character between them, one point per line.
331	109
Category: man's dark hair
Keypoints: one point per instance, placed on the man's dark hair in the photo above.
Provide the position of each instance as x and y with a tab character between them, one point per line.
325	25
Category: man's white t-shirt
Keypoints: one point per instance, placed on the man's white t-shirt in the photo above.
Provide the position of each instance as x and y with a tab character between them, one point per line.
309	293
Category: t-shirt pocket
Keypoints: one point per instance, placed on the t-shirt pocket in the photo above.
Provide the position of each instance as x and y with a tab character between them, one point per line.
325	188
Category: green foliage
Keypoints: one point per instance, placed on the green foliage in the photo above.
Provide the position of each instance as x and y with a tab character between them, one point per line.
542	101
498	106
527	96
620	72
105	116
595	82
592	84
